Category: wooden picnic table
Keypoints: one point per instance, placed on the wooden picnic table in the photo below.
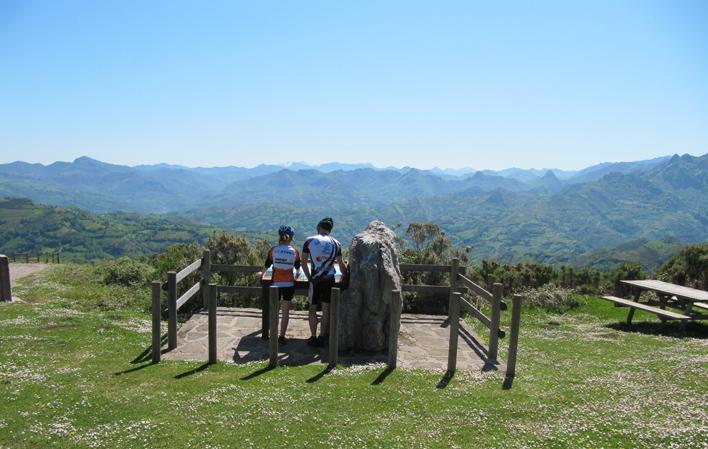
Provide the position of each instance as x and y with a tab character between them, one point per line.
670	295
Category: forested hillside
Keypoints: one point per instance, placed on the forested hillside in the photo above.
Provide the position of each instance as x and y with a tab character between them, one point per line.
84	236
511	215
668	201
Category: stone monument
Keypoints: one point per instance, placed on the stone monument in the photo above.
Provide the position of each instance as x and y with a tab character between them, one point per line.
366	305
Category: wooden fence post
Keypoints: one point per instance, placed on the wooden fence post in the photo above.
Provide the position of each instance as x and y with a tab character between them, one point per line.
156	330
394	328
334	327
514	335
273	325
206	276
5	283
454	270
212	323
497	292
454	332
265	308
171	310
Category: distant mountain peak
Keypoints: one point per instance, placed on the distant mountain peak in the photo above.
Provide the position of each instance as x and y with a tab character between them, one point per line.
550	176
87	160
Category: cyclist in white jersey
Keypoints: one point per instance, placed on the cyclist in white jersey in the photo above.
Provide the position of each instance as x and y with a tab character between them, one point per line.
323	250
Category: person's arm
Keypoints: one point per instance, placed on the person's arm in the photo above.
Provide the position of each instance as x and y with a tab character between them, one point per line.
342	267
297	265
268	262
306	264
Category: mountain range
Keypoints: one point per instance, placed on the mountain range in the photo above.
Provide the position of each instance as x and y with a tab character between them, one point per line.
547	215
101	187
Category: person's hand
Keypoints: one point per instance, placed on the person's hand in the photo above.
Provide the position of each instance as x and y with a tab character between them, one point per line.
259	274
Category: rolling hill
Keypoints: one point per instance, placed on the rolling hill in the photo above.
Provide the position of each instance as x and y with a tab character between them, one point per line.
80	235
546	217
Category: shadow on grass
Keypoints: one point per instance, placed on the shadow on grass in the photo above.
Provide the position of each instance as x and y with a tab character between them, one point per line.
147	353
320	375
668	329
384	374
191	372
137	368
447	377
258	372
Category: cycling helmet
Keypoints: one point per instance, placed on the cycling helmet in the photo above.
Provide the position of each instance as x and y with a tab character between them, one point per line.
286	230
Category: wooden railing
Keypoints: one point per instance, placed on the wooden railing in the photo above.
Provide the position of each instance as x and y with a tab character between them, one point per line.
34	257
459	286
210	293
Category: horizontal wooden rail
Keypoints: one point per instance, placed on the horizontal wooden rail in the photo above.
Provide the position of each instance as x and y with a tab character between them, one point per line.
416	267
425	267
194	266
226	268
479	291
35	257
239	289
476	289
442	289
479	315
188	294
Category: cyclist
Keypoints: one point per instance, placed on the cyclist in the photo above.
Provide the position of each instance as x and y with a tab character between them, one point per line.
284	257
323	250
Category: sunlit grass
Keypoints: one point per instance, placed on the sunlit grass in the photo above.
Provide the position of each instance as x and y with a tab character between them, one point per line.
74	374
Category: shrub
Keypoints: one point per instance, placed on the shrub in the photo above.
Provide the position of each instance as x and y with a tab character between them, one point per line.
689	267
175	258
625	270
124	271
551	298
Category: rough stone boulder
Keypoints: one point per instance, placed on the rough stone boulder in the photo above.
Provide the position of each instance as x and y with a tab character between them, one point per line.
366	305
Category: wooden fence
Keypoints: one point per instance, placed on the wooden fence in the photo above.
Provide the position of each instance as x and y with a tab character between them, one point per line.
459	285
34	257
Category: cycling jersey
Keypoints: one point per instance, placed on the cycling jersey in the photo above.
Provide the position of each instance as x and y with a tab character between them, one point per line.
283	258
323	250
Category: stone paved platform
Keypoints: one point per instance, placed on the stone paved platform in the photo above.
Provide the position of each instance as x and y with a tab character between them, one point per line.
423	342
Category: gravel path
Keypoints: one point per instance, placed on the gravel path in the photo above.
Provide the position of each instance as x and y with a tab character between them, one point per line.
20	270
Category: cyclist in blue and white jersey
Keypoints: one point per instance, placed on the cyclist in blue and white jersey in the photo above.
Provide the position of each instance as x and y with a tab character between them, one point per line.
323	250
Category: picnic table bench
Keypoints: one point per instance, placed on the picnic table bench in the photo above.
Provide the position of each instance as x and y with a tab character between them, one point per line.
670	295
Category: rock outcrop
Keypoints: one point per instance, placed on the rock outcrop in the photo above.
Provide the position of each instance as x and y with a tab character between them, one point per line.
366	305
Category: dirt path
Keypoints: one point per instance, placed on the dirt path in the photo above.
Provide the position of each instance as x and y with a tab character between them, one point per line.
20	270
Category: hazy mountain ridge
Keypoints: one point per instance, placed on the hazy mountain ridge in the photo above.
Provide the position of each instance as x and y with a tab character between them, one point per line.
550	227
549	219
103	187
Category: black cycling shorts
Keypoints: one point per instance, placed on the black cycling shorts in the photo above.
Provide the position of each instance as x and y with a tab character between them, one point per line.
286	293
321	290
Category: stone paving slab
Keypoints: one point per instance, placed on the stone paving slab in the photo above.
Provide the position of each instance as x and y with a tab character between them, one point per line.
423	342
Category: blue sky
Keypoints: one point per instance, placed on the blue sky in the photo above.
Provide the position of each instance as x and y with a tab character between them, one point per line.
449	84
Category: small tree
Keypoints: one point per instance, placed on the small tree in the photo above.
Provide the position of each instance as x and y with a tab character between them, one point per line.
625	270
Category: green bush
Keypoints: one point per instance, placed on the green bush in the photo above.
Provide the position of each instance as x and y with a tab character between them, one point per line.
551	298
124	271
689	267
625	270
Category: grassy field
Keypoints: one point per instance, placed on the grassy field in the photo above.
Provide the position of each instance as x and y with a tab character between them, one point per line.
74	372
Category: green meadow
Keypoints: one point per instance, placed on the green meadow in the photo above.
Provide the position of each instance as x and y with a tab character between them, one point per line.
75	371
